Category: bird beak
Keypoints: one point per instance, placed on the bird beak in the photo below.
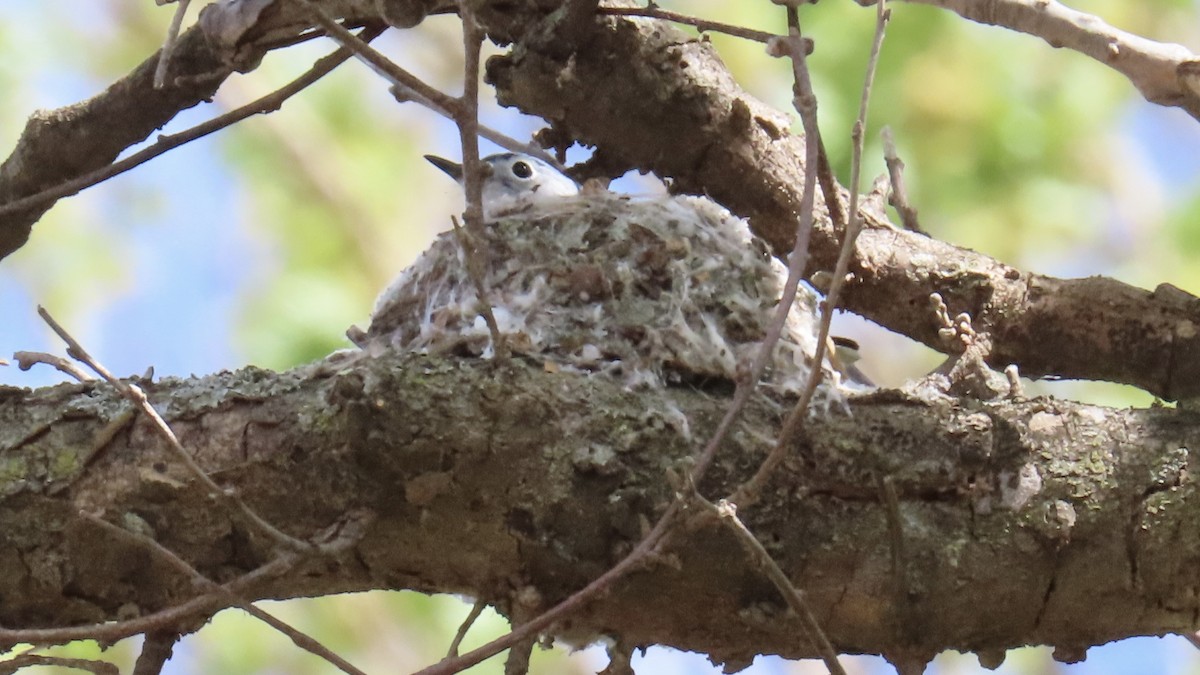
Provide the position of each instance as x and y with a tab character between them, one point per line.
452	169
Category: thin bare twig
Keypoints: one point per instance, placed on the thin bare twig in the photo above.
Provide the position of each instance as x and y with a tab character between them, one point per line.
168	48
476	610
119	630
795	46
340	537
517	662
829	188
157	647
135	394
297	636
27	360
748	492
467	121
635	559
806	104
796	598
854	219
662	528
361	50
477	270
898	195
409	87
702	25
27	660
269	103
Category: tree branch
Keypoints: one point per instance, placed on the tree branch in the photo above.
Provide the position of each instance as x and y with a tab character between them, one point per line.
1071	524
697	126
59	146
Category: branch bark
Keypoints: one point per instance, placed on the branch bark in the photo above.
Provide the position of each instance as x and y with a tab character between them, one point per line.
60	145
694	124
1022	521
697	126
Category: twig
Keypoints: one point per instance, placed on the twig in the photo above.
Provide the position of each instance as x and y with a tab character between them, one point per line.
135	394
476	610
467	121
119	630
301	639
796	598
156	651
635	559
797	261
829	188
401	93
517	662
620	659
168	48
702	25
806	104
409	87
360	49
898	195
27	660
27	360
269	103
854	218
476	270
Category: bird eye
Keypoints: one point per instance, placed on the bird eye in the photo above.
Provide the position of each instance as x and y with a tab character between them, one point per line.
522	170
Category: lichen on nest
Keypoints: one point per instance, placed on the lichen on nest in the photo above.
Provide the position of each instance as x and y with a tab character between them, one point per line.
655	290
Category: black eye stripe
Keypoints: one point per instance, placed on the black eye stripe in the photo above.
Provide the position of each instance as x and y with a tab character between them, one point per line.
521	170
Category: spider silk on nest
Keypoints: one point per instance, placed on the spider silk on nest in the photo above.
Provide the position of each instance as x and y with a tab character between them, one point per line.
655	291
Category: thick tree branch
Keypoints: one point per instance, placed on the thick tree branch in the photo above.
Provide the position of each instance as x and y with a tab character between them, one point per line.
61	145
1024	521
696	125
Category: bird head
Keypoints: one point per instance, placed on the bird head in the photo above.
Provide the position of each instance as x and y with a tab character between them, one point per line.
513	181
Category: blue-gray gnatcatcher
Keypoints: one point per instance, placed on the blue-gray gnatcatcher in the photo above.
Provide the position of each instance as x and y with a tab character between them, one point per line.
513	182
657	290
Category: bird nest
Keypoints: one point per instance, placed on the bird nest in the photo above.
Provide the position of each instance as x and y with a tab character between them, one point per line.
656	291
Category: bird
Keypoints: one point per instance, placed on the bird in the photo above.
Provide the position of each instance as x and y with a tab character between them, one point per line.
657	291
513	181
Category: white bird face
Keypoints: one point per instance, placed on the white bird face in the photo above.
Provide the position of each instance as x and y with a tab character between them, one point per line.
514	181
